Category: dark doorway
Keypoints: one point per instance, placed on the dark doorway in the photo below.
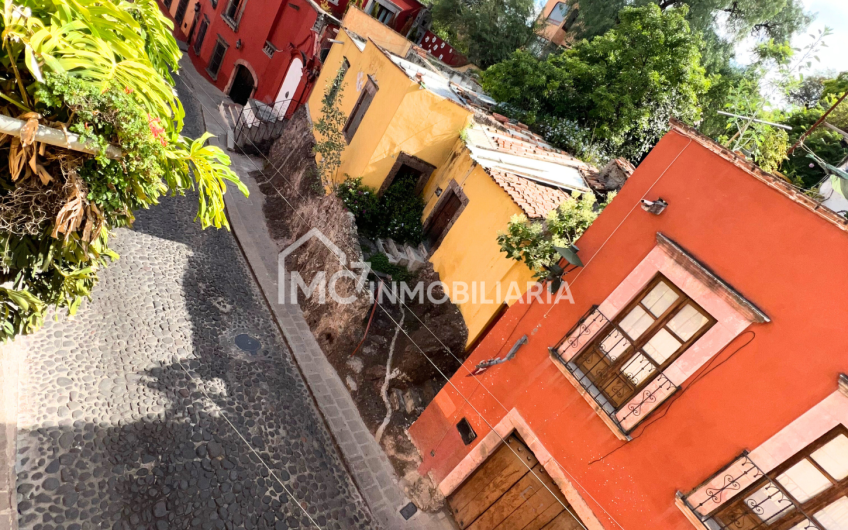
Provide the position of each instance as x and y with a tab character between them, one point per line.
406	165
442	219
180	14
242	87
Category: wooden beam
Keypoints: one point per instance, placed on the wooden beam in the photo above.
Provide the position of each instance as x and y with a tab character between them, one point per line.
836	129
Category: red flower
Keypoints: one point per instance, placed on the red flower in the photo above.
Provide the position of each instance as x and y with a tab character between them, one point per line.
157	130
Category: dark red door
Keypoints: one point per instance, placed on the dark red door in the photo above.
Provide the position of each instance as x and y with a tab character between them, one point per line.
443	217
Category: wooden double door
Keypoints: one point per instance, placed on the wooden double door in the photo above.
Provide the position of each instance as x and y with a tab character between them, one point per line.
504	494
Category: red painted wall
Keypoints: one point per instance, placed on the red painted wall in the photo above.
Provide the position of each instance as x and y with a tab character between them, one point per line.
784	258
287	25
442	50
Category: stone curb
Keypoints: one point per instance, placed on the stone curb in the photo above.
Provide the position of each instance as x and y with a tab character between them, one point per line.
368	465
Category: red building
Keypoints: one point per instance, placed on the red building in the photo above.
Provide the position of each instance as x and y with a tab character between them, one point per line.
693	383
271	51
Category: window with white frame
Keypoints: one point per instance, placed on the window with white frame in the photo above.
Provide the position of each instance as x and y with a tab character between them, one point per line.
807	492
647	336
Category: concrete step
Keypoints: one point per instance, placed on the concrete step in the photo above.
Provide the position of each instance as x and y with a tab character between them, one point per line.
403	255
416	260
230	113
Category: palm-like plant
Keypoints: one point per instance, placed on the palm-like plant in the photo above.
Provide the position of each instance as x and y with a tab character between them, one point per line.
99	69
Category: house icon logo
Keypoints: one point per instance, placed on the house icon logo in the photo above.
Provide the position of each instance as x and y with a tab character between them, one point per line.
288	282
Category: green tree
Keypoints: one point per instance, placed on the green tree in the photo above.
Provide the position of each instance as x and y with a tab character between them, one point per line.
769	19
100	70
613	94
485	31
720	24
535	243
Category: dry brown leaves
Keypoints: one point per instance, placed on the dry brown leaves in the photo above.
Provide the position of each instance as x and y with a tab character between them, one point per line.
29	158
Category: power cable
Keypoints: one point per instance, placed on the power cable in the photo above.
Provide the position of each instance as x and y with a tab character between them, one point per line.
277	171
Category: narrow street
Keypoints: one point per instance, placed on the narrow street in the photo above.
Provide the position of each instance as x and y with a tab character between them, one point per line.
152	407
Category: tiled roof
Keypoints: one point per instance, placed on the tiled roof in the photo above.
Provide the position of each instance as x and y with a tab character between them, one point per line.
535	199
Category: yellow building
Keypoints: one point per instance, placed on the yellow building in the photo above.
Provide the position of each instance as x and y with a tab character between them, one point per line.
475	170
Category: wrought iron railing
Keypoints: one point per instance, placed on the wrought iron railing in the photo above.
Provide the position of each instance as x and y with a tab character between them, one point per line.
258	124
593	323
649	397
775	495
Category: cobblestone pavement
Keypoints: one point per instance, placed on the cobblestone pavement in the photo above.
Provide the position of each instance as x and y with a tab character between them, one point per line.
114	433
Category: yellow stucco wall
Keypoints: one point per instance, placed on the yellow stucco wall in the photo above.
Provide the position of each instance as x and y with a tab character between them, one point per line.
403	117
469	252
367	26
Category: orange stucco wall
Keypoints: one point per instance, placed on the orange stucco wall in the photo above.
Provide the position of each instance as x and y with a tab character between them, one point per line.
780	255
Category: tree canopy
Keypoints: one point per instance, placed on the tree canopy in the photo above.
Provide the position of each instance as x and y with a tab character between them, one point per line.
485	31
612	95
734	19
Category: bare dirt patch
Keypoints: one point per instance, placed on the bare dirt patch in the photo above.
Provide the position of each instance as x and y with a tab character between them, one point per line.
433	336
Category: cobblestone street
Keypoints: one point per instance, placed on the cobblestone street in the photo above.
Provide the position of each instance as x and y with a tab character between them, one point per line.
125	409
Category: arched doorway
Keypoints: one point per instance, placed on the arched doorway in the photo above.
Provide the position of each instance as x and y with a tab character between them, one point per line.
289	88
243	85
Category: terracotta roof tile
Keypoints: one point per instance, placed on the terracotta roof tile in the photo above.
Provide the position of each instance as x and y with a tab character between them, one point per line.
535	199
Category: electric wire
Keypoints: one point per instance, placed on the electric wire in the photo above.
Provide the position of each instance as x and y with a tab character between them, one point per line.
277	171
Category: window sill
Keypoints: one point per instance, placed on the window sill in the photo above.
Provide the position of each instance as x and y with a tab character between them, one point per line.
233	25
603	414
687	513
211	75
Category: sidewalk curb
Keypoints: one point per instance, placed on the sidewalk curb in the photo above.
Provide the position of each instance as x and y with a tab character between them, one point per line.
369	467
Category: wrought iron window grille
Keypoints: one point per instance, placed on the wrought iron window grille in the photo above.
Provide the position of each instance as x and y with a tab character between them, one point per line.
775	494
595	319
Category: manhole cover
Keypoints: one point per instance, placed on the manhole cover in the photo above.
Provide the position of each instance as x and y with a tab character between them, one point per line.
408	511
248	343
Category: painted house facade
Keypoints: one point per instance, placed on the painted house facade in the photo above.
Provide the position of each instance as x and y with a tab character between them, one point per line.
696	381
267	51
406	116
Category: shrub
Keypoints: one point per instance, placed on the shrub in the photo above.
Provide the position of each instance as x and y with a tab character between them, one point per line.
397	214
100	70
535	242
380	263
400	211
361	200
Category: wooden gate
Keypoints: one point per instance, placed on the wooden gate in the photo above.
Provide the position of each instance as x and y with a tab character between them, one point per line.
503	494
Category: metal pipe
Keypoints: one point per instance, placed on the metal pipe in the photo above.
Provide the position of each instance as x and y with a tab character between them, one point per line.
756	120
57	137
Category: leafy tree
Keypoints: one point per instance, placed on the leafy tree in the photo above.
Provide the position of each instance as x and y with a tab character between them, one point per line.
808	93
616	91
101	71
720	24
485	31
535	243
769	19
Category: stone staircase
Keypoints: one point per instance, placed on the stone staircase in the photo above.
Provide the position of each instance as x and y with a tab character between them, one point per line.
230	112
413	258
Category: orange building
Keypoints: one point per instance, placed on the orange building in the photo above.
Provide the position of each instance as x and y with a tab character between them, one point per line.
694	382
557	20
